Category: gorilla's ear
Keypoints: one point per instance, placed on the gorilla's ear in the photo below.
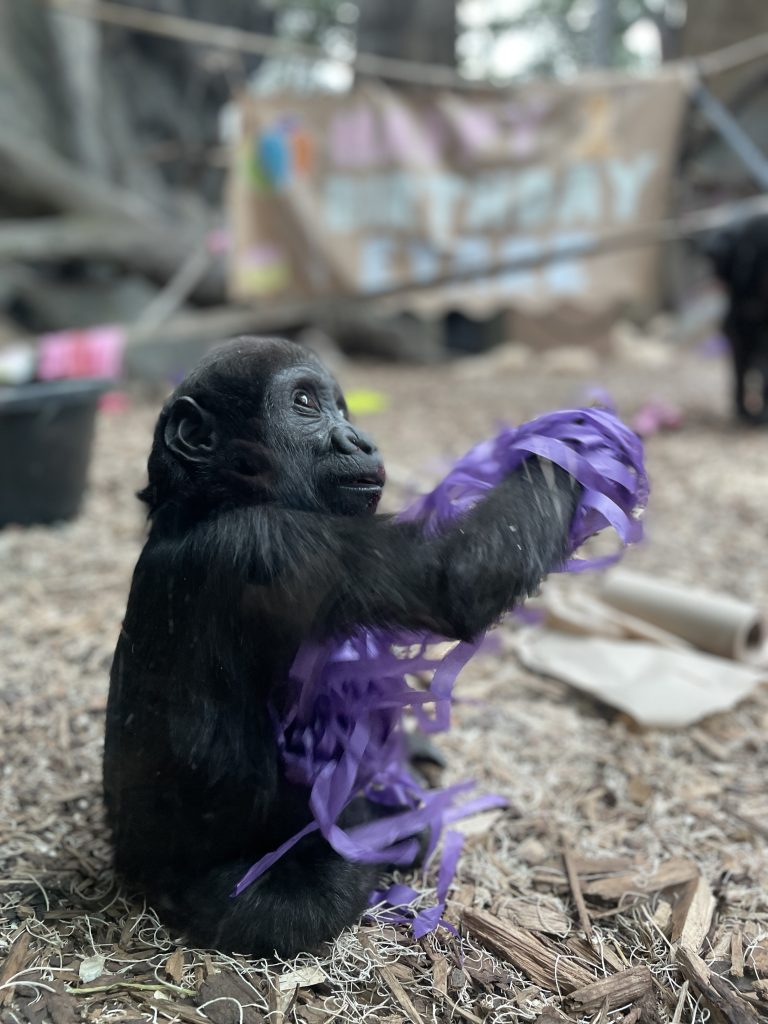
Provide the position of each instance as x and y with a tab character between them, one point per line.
190	431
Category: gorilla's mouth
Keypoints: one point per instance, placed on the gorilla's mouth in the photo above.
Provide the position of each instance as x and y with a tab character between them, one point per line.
366	482
363	483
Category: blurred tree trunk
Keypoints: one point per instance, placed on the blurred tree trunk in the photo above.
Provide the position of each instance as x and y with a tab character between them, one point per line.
603	31
418	30
106	128
670	22
128	108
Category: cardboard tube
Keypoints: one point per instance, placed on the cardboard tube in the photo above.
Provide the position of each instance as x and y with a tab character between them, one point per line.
715	623
583	615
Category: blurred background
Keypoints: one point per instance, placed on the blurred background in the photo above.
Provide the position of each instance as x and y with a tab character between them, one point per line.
475	211
184	170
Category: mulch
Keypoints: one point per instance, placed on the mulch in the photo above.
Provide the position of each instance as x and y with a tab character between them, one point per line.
627	880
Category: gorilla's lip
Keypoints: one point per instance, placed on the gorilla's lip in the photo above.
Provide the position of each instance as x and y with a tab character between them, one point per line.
373	481
362	483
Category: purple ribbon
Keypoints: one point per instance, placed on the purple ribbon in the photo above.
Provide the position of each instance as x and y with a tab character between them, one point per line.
342	734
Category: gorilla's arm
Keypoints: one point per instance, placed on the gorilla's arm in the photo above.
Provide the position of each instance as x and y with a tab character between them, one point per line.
331	573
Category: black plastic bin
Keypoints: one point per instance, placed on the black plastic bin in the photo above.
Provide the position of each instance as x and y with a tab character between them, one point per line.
46	433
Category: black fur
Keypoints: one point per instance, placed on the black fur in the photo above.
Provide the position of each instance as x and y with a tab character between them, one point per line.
740	258
257	543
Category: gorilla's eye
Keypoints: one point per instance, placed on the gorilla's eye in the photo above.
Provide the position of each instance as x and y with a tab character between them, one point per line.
303	400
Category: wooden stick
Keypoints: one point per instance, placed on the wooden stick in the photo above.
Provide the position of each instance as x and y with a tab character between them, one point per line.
578	896
614	991
692	917
723	1000
543	962
737	954
678	1015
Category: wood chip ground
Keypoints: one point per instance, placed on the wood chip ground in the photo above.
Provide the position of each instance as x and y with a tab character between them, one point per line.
662	914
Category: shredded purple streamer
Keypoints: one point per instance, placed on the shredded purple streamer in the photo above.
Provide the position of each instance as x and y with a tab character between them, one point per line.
342	736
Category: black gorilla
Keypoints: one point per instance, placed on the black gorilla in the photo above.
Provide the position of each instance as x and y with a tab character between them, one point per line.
740	258
261	496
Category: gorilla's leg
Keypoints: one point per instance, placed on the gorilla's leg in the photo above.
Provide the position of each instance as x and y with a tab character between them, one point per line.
308	897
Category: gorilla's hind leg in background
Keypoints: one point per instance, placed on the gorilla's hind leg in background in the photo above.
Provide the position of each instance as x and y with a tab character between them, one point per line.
264	536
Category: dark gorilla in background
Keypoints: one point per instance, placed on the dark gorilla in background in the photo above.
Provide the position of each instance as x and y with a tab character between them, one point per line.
740	258
263	535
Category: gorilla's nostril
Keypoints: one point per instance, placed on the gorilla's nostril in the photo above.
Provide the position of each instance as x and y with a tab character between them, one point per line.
363	442
344	441
347	441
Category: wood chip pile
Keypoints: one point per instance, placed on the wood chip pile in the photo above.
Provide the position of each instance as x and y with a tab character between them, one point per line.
627	881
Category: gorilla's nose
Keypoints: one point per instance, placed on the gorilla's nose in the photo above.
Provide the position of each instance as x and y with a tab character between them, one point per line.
347	440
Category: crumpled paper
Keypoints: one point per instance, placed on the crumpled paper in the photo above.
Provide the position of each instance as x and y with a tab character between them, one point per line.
635	666
658	686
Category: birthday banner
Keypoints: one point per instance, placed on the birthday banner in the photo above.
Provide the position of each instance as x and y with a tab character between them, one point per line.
361	193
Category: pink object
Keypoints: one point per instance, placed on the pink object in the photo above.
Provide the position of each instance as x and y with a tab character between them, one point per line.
89	352
655	416
114	402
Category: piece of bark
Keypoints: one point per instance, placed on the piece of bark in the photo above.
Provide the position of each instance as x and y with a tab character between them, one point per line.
189	1015
737	955
551	1015
723	1001
62	1008
682	996
573	882
16	961
174	966
677	871
234	1000
302	977
542	962
757	959
277	1002
440	976
542	915
616	990
460	1011
390	979
602	956
692	917
400	994
588	866
662	917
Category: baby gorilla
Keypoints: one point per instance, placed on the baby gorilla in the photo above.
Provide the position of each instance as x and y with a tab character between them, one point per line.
262	500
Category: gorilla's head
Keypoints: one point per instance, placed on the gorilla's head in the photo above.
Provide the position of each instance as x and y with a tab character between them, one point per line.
262	420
